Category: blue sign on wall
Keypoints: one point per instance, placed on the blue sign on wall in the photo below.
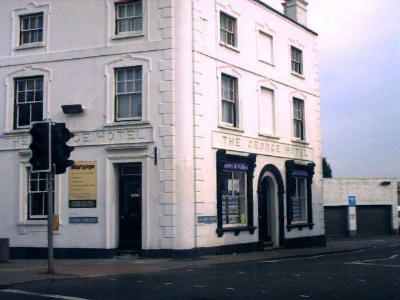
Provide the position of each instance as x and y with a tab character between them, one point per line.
352	201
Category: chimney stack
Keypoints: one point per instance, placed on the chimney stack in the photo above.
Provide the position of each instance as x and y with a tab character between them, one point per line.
296	10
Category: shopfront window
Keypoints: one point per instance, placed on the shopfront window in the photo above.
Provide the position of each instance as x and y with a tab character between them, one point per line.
299	178
234	204
234	193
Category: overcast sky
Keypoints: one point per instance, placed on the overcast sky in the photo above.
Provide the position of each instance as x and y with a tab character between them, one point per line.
360	84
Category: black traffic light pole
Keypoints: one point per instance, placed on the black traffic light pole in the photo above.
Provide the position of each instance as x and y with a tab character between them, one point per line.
50	216
50	154
42	162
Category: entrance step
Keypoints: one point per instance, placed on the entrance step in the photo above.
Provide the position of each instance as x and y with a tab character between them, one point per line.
126	254
268	245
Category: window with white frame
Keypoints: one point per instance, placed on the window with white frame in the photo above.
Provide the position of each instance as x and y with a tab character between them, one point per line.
228	30
299	200
297	60
266	112
265	47
31	28
38	195
298	119
128	93
28	101
129	17
229	92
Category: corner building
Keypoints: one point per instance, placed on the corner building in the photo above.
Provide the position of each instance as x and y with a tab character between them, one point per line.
197	125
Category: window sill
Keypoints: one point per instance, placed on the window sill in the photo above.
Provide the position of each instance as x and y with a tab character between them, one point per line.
298	75
235	49
236	230
16	131
228	127
300	226
129	35
30	46
126	123
269	136
302	142
267	62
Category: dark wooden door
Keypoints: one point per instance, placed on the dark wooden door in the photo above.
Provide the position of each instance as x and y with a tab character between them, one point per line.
130	207
263	220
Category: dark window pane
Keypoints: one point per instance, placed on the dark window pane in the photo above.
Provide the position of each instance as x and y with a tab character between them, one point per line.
37	205
20	85
21	97
39	96
29	96
23	114
34	186
43	185
39	84
37	111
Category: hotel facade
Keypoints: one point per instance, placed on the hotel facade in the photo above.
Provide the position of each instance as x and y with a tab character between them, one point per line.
197	125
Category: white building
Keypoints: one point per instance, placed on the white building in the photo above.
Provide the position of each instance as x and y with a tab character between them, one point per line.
361	206
200	127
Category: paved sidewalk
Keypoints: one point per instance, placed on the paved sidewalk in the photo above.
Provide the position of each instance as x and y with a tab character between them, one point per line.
20	271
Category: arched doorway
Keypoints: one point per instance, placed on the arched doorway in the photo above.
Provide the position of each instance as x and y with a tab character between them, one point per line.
270	207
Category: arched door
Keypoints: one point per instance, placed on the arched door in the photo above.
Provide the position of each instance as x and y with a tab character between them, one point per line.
270	207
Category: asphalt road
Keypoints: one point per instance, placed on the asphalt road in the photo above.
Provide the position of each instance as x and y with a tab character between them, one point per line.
369	274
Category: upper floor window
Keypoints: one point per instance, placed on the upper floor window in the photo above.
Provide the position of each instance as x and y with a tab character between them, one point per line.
129	17
128	93
229	87
228	30
297	60
28	101
265	47
267	112
37	195
31	28
298	119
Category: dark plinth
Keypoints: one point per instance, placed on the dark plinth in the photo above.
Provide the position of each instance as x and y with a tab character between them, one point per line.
4	250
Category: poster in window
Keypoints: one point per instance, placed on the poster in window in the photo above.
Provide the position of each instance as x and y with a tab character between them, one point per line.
83	184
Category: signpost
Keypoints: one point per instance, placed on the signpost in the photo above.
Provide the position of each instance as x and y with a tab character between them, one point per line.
352	201
50	155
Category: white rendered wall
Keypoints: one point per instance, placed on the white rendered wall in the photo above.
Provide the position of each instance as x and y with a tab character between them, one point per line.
210	60
77	59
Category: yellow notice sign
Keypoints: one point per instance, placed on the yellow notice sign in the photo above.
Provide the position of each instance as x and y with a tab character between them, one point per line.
83	181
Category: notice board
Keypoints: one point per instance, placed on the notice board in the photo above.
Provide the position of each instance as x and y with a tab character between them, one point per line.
83	184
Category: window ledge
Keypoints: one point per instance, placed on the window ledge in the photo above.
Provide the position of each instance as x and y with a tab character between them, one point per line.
236	230
298	75
302	142
33	223
31	46
129	35
236	49
269	136
127	123
300	226
16	131
227	127
267	62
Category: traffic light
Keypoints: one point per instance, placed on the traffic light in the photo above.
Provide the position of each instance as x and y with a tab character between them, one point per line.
40	160
60	150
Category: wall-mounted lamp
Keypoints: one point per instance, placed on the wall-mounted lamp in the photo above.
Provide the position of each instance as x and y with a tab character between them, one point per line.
72	109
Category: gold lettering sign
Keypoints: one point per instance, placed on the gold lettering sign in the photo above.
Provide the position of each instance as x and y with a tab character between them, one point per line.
83	181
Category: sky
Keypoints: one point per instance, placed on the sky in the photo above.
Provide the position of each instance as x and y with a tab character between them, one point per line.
360	84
